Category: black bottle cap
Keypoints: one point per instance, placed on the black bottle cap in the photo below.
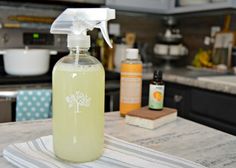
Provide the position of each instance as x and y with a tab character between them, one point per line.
157	75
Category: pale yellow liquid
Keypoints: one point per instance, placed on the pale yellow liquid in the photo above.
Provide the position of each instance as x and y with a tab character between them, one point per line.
78	136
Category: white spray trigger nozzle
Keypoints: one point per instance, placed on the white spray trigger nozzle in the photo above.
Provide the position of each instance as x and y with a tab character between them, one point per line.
76	22
103	27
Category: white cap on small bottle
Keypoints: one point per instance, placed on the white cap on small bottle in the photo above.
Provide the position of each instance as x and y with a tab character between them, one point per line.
132	53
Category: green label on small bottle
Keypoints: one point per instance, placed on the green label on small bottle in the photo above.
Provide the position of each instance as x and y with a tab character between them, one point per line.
156	96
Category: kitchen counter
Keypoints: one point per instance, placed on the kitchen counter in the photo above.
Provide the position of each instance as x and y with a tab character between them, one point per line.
190	78
182	138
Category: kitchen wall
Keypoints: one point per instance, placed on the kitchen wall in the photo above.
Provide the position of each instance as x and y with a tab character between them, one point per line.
10	8
146	26
194	27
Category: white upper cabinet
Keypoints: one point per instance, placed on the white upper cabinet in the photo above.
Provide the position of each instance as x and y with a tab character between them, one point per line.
170	6
212	5
102	2
150	6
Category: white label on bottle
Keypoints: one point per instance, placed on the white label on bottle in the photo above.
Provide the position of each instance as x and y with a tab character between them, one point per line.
131	90
156	96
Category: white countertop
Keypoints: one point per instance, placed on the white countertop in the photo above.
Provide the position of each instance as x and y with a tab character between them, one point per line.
219	83
183	138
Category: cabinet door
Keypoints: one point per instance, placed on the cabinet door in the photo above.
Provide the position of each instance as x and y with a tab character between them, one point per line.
112	100
214	109
5	110
145	92
177	96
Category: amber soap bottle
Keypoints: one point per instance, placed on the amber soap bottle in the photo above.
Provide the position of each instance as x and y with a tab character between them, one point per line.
130	82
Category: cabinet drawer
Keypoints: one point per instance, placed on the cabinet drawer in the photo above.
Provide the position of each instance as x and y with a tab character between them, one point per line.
218	106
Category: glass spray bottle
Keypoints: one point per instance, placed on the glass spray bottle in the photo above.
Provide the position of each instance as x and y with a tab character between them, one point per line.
78	89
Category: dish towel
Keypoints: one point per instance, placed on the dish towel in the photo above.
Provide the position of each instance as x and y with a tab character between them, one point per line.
33	104
117	154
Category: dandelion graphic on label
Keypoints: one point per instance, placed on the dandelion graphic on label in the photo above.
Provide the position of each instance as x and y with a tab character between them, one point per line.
77	100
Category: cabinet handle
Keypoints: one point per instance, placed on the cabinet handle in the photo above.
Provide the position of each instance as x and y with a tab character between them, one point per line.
5	38
178	98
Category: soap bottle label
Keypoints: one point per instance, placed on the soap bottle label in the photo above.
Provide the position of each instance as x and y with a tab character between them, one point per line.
156	96
130	92
131	87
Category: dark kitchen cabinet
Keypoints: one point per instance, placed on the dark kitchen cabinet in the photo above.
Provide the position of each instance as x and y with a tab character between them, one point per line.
214	109
145	92
5	110
177	96
112	99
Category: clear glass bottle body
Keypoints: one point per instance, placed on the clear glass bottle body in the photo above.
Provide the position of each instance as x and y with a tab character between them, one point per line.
78	107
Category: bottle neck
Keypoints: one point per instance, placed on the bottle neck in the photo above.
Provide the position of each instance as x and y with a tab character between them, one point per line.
157	79
78	51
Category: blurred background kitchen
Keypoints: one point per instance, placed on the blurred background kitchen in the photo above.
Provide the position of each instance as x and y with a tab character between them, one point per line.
193	42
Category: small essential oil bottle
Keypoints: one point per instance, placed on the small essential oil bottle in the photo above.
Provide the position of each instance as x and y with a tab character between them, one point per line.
156	92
